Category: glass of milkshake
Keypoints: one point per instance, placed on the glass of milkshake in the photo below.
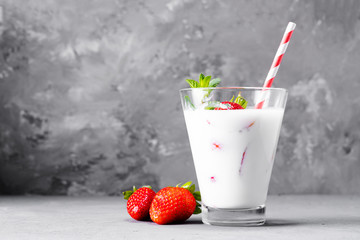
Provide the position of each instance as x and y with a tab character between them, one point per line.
233	149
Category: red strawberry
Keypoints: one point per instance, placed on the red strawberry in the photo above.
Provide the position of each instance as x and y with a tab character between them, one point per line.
139	202
174	204
231	106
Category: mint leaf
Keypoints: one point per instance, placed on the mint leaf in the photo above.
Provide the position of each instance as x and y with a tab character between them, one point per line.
201	82
188	102
192	83
214	82
206	81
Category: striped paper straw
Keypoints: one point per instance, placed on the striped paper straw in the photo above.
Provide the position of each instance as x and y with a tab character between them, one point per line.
276	62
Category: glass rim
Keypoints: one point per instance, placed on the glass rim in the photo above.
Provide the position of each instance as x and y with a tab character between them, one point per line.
235	88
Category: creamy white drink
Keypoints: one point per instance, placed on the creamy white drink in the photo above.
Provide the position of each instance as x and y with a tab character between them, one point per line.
233	152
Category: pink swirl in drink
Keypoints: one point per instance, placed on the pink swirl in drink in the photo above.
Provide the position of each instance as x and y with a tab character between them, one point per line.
233	160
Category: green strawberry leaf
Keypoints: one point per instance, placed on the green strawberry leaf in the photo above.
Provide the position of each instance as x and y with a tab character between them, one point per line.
192	188
197	210
197	196
214	82
187	185
192	83
241	101
128	193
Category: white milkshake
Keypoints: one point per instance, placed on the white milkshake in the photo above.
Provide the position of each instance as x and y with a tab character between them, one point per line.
233	152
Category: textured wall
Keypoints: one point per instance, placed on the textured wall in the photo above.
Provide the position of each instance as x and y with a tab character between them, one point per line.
89	98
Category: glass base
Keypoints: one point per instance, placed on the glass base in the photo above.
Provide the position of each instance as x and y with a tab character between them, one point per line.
233	216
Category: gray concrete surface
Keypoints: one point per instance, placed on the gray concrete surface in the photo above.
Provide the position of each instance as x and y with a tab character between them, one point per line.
289	217
89	90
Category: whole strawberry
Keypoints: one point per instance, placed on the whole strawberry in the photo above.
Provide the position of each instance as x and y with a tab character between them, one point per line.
139	201
175	204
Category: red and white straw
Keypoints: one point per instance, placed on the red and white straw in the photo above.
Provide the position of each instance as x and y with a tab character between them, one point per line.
276	62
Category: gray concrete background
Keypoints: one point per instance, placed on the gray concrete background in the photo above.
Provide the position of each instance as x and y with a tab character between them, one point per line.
89	100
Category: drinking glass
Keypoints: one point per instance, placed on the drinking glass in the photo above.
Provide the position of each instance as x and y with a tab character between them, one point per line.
233	150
